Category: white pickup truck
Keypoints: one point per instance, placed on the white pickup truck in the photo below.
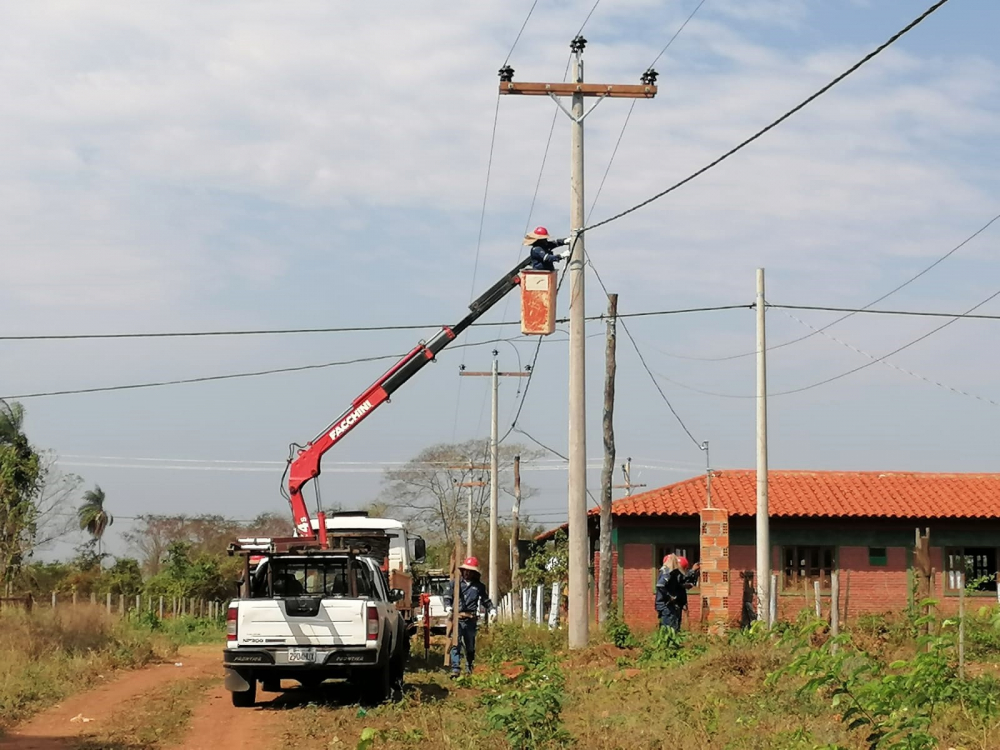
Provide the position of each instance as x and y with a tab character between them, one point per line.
309	615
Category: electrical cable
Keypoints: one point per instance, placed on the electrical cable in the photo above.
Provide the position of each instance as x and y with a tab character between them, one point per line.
518	37
230	376
894	351
887	363
676	34
553	451
585	20
866	311
851	311
642	359
694	175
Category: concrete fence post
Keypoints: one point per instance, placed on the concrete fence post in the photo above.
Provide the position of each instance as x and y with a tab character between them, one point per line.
554	606
539	604
108	602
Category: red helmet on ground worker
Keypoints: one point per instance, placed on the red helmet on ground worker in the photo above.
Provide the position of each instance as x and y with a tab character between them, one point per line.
471	563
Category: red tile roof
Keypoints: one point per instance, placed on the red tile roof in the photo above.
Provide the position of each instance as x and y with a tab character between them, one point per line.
826	494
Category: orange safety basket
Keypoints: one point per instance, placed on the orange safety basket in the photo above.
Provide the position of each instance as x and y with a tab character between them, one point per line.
538	302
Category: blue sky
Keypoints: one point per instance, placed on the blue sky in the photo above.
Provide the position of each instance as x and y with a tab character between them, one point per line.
249	165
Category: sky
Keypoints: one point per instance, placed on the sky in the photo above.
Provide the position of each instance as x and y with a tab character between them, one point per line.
207	166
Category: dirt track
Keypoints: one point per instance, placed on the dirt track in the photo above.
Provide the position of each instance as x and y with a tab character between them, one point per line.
215	724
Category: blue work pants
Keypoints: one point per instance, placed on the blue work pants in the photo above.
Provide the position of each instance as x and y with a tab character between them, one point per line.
467	641
670	617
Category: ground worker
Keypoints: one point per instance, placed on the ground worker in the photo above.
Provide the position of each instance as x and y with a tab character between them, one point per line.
542	257
472	595
671	595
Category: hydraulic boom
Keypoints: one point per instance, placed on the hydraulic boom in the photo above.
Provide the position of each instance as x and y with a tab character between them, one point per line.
306	465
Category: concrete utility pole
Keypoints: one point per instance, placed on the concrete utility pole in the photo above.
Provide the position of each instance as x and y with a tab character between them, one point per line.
495	375
577	517
763	522
607	474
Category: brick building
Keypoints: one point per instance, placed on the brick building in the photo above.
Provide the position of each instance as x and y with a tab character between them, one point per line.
860	523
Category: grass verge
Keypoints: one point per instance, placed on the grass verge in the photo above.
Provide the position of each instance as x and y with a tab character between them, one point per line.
46	655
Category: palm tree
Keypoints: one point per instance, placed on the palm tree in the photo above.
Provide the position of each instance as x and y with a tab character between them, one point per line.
11	424
93	517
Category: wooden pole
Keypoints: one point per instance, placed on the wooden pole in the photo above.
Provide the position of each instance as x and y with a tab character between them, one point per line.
835	606
817	600
961	626
456	557
607	474
515	538
847	597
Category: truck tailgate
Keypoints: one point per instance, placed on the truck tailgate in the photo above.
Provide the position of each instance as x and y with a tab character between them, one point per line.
336	622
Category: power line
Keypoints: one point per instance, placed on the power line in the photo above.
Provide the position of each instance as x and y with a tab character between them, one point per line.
585	20
342	329
887	363
854	311
518	37
645	366
777	122
231	376
866	311
676	34
894	351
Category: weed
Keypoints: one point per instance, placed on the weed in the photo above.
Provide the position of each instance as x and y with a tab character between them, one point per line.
528	708
667	646
619	633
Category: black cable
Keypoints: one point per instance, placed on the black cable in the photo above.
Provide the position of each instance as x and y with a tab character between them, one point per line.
554	452
231	376
585	20
866	311
897	350
518	37
347	329
854	311
777	122
676	34
645	366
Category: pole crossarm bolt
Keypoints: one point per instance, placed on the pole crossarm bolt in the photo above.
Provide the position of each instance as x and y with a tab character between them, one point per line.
506	74
649	77
577	44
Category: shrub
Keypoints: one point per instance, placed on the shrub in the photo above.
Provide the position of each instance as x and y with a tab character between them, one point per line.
528	708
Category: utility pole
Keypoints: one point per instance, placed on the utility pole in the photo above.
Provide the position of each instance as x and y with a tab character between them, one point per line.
577	516
627	473
515	538
495	375
468	517
763	522
607	474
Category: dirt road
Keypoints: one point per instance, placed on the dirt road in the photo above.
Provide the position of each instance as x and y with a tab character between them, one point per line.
84	719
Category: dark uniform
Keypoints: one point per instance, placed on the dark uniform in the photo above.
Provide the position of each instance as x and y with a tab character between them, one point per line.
471	595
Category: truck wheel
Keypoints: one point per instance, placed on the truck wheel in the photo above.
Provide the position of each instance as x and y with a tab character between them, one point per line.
246	698
378	684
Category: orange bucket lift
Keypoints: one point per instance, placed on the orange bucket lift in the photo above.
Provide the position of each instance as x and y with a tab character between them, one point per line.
538	302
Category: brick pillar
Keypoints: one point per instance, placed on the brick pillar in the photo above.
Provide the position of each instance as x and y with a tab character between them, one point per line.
714	580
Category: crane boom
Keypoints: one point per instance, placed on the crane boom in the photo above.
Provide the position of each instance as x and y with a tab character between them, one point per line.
306	464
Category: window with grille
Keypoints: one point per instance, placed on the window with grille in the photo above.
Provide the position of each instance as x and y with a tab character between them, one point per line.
979	564
803	565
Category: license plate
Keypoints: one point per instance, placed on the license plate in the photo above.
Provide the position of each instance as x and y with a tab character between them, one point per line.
302	655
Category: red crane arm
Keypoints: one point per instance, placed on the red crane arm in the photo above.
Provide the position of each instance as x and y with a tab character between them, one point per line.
306	465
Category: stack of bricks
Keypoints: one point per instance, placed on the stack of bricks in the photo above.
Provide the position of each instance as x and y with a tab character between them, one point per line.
714	579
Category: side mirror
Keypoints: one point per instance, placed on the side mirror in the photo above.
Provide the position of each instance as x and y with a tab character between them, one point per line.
396	595
419	549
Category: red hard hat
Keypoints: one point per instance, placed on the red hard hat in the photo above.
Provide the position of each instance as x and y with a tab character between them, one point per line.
683	562
665	558
541	232
471	563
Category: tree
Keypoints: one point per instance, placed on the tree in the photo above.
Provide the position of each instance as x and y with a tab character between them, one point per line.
425	490
94	517
20	486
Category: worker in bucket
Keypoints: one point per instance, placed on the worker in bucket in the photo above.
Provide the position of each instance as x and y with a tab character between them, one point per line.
542	257
671	595
472	595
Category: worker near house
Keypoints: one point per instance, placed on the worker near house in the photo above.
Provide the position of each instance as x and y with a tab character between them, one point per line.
690	573
542	245
472	595
671	595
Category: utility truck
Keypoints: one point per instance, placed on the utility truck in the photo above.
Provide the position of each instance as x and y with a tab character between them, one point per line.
309	613
336	599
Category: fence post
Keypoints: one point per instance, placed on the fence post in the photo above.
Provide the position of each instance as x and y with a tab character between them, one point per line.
121	604
539	604
961	626
93	598
554	606
107	602
835	606
53	600
173	606
816	597
74	597
138	603
161	606
774	599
